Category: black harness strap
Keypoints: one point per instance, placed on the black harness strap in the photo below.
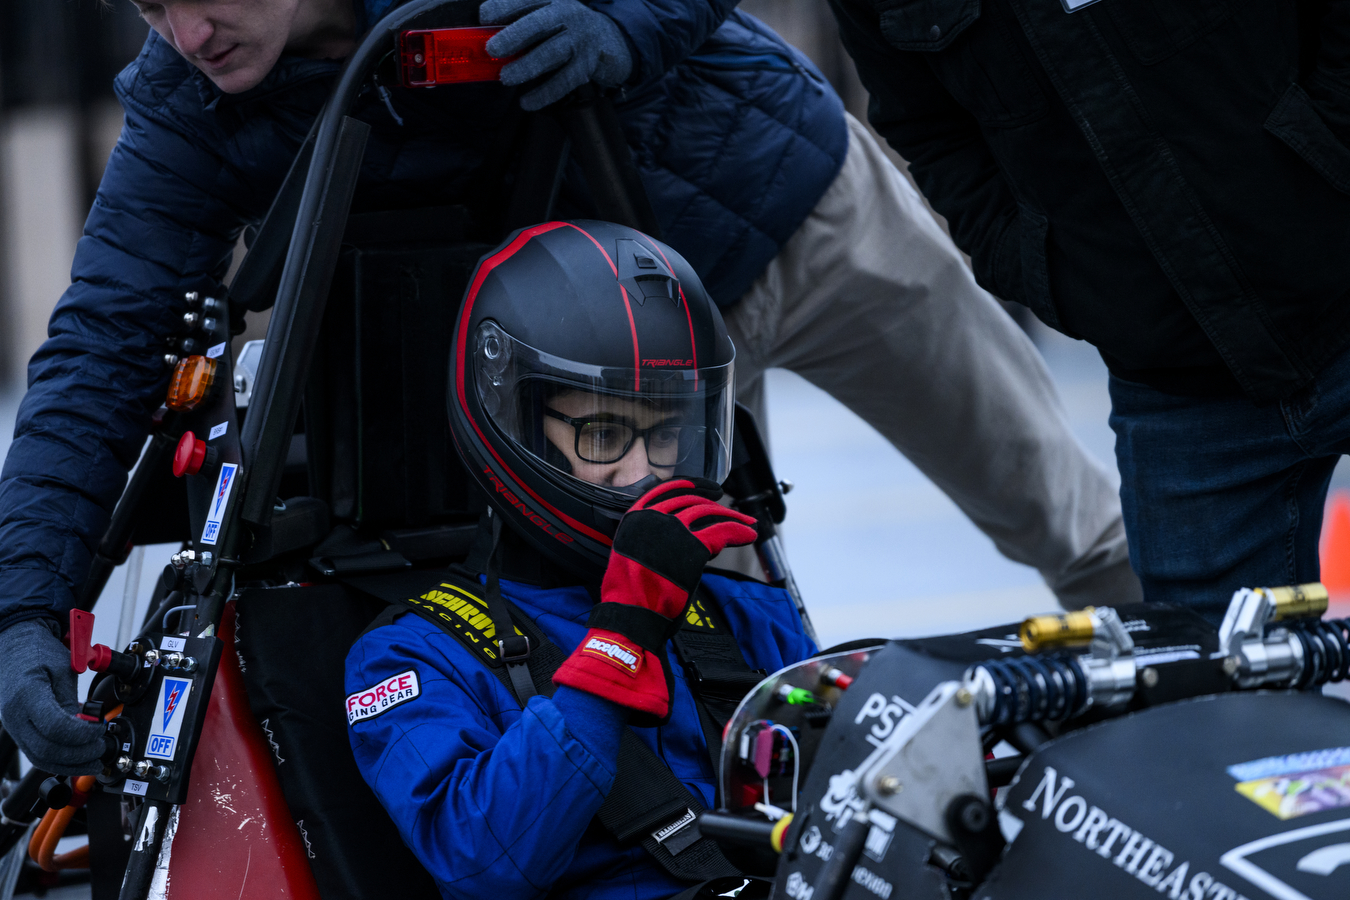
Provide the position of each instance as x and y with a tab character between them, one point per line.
717	671
514	649
647	804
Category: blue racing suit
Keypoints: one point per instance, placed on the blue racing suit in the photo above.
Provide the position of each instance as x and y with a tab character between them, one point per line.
498	802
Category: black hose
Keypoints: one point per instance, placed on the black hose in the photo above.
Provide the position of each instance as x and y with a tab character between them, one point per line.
736	830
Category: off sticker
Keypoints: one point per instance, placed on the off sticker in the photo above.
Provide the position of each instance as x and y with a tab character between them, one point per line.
380	698
168	718
615	653
220	501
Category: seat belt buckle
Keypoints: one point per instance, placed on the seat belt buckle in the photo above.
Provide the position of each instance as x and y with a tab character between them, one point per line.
511	657
679	834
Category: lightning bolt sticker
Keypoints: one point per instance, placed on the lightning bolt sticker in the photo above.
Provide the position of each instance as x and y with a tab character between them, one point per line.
173	697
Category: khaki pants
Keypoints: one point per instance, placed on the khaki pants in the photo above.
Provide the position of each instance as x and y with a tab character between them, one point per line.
872	302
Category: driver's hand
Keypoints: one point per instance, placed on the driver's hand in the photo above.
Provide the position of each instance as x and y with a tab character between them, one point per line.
38	701
563	39
660	549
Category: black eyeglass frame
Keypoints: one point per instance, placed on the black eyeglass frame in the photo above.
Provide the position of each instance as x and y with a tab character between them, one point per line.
698	434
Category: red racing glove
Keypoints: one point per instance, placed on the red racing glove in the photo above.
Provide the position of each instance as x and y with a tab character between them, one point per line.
661	546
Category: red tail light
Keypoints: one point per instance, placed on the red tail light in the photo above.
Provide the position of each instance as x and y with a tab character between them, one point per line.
447	56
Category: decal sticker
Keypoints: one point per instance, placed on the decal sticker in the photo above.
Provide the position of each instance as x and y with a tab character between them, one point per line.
797	888
1118	844
1002	645
873	882
215	351
135	787
879	835
1313	861
220	501
218	430
168	719
810	841
174	644
525	510
1157	656
888	714
380	698
617	654
1296	785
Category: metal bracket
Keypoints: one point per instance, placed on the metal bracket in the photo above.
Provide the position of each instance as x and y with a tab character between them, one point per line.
932	757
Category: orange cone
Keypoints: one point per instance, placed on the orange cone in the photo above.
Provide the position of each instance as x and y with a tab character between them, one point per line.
1335	546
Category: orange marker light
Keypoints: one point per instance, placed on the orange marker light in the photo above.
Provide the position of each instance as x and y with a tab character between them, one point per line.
435	56
191	383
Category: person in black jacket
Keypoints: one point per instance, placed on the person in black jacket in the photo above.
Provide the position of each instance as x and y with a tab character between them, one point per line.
1171	182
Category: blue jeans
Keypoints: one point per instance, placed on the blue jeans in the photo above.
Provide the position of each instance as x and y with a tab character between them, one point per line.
1219	493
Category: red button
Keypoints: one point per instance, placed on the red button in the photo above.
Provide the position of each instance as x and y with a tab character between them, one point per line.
188	458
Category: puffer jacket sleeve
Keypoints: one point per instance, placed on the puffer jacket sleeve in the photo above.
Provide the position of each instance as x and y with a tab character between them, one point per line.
664	32
164	222
492	799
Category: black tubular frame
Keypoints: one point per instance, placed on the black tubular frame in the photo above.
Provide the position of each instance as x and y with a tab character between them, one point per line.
320	219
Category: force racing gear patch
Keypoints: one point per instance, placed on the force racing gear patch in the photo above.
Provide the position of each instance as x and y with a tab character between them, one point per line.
380	698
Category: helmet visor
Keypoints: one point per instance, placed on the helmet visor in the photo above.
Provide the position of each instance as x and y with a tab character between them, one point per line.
617	431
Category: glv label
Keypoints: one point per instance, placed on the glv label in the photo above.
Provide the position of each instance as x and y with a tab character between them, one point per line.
168	720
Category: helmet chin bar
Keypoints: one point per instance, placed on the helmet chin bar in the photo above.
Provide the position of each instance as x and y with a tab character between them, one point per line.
642	486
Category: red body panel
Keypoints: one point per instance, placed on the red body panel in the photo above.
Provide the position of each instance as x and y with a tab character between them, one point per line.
236	839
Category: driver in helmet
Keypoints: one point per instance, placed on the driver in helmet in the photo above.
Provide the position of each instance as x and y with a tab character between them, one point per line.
591	396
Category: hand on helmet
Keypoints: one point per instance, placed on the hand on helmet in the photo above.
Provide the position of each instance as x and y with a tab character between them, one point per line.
38	701
562	38
660	549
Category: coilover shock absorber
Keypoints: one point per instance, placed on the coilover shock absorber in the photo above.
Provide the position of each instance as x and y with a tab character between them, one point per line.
1030	689
1272	637
1045	688
1276	639
1326	651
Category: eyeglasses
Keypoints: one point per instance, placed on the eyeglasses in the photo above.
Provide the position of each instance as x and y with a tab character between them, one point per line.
608	440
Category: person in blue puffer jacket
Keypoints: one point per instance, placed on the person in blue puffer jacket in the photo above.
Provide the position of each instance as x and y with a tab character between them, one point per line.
822	255
550	413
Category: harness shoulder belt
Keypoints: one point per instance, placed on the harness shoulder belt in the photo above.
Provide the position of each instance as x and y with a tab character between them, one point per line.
647	803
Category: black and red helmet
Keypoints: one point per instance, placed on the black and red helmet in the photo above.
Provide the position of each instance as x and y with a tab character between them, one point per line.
598	312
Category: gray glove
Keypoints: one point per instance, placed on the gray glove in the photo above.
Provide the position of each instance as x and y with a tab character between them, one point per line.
562	36
38	701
